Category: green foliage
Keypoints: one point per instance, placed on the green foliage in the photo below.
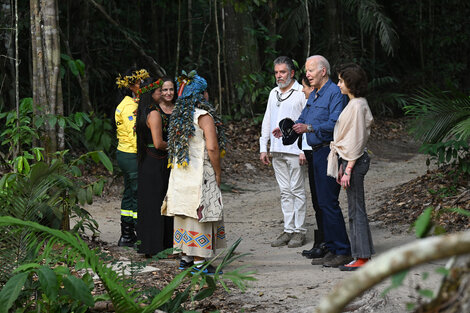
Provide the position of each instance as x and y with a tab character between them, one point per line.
98	134
440	115
56	290
48	193
253	90
372	19
455	152
123	295
442	123
397	281
11	290
19	131
382	98
423	223
426	293
43	190
444	192
460	211
77	67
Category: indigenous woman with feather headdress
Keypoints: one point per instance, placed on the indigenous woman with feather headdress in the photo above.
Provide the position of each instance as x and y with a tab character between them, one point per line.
157	98
126	153
195	142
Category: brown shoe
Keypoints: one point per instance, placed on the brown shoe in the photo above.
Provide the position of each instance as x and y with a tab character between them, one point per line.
339	259
282	240
319	261
297	240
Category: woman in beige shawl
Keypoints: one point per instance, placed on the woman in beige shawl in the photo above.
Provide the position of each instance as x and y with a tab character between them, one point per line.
350	137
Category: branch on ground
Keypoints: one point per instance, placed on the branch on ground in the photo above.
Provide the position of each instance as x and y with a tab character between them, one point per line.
392	262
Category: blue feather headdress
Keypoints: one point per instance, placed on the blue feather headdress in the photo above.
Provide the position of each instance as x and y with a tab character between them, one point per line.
190	96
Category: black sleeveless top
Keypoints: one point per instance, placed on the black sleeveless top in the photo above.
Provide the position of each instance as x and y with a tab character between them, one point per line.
148	135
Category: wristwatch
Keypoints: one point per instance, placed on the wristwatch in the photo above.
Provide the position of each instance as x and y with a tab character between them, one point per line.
309	128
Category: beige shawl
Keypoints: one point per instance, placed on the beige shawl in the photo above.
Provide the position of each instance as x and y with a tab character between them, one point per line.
350	135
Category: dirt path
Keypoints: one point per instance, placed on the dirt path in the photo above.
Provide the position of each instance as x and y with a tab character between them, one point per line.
286	281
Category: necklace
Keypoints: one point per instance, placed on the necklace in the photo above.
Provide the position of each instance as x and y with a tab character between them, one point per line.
279	97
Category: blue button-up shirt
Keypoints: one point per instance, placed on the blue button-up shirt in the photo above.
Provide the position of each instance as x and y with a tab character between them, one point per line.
321	111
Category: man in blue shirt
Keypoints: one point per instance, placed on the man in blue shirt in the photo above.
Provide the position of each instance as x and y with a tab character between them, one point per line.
318	120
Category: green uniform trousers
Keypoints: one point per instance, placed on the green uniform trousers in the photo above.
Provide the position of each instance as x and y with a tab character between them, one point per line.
127	162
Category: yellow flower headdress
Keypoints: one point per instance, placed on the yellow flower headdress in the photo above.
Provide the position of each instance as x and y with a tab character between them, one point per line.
126	81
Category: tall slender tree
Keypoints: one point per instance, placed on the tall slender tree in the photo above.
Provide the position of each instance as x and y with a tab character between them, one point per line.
47	88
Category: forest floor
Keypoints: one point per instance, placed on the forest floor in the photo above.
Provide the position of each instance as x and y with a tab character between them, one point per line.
398	187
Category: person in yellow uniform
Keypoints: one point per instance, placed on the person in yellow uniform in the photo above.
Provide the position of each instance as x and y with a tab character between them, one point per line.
126	153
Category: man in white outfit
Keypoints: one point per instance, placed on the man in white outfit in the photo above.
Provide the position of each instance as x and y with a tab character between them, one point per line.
286	101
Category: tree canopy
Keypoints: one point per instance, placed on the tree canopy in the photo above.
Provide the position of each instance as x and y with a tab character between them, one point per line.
402	45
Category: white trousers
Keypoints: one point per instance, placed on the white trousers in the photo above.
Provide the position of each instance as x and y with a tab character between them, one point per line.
290	176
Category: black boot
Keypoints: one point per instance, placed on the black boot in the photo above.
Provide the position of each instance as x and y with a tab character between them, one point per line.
128	237
319	248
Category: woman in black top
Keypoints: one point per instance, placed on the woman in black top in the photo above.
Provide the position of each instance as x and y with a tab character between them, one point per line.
154	230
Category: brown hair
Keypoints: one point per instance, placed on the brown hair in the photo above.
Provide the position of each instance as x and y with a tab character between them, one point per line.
354	77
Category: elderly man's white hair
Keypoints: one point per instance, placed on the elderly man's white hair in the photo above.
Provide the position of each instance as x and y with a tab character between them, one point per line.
322	62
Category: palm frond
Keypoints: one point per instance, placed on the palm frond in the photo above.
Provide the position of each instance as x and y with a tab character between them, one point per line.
439	115
378	82
372	19
291	26
24	200
462	130
123	297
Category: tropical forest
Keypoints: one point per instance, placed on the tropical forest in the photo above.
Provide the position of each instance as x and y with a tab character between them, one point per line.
61	181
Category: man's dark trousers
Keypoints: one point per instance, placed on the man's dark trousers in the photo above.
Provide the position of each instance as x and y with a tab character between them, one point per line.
328	189
313	192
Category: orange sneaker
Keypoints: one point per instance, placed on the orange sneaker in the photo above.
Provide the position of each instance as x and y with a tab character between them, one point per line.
354	265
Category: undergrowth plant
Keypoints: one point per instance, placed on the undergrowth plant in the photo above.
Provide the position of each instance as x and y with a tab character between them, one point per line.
52	246
48	192
441	120
21	130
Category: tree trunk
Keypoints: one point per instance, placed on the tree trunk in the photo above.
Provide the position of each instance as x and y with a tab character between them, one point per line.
226	81
85	56
333	31
47	88
156	37
219	76
199	58
17	79
178	39
271	25
7	64
308	32
190	29
240	46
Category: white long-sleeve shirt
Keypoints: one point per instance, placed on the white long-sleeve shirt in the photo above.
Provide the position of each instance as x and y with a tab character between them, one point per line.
275	112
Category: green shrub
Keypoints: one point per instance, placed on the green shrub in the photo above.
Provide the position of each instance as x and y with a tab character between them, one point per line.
57	288
442	122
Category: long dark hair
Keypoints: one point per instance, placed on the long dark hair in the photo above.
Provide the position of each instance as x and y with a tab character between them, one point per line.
145	103
170	79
